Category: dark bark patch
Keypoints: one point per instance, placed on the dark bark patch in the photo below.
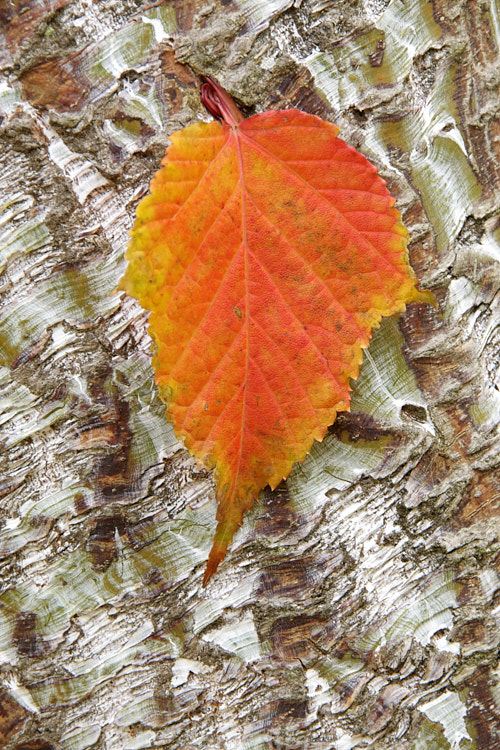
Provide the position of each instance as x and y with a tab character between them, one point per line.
415	214
175	71
354	426
483	141
134	125
482	711
481	33
290	579
383	709
474	83
470	586
350	689
443	374
176	79
110	431
286	710
53	84
25	638
102	541
424	254
277	518
19	18
427	478
96	436
475	635
471	632
481	500
414	412
376	58
302	638
81	505
154	584
32	351
298	91
463	438
12	716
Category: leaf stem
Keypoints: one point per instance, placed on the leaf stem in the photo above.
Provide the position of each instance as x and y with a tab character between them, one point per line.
219	103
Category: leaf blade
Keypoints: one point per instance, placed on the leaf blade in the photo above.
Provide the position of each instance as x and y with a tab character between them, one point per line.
267	252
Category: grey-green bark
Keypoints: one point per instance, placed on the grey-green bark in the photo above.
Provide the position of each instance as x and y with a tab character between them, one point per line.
358	606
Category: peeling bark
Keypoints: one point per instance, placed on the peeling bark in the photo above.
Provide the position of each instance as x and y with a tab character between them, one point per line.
358	606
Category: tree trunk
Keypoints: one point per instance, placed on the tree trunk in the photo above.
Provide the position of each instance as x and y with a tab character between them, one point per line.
358	605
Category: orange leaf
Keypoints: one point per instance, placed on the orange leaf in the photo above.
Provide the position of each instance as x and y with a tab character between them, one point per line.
267	251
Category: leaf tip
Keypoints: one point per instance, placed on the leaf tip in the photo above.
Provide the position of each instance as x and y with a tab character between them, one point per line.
217	554
231	519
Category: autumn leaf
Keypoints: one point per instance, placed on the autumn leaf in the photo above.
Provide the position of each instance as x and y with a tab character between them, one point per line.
267	251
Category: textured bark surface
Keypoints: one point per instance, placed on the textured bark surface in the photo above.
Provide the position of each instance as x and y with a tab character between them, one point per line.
359	604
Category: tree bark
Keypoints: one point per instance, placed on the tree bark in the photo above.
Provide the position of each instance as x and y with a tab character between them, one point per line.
358	605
